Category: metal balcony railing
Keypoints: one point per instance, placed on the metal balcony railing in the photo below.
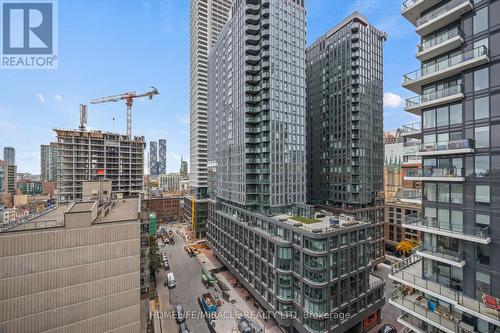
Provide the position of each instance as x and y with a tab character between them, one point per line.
431	96
439	11
446	63
447	145
439	39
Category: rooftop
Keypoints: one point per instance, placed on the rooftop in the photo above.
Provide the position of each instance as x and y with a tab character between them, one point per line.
114	211
324	223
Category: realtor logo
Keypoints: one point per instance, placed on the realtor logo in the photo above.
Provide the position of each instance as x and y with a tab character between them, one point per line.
29	34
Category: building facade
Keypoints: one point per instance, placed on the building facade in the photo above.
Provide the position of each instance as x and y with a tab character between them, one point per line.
162	156
170	182
207	18
167	209
9	155
153	158
312	277
183	170
74	269
257	114
345	123
454	272
48	162
96	155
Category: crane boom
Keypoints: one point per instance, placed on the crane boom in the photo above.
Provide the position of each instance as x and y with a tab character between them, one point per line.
128	97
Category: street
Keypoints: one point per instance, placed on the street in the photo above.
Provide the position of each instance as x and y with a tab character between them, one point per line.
187	272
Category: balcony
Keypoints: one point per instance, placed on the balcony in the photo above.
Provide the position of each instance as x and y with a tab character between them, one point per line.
448	95
414	324
431	225
446	68
436	174
409	195
409	272
418	306
454	147
443	16
412	9
446	256
411	131
441	43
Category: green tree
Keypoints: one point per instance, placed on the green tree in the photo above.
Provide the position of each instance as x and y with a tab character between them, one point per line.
155	260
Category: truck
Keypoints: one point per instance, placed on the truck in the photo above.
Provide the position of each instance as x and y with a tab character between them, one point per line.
170	280
207	278
208	303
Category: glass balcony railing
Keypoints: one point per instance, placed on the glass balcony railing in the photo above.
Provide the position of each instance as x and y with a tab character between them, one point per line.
445	64
442	253
410	270
434	95
439	39
436	172
411	128
447	145
408	4
439	11
454	229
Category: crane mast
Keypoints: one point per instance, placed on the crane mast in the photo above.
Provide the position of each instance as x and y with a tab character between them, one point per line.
128	97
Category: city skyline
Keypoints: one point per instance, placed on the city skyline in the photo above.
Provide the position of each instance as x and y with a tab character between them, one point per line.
38	109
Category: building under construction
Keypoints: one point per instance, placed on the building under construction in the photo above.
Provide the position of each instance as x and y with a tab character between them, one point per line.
95	155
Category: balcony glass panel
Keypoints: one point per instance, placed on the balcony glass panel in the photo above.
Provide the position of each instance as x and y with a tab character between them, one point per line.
447	145
436	172
440	10
439	38
446	63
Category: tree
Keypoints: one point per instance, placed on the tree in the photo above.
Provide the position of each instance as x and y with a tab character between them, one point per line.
155	260
405	247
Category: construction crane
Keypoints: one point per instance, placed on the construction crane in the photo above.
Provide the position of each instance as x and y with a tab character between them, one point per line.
128	97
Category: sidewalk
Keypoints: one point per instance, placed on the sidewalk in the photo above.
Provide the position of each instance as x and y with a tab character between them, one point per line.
236	305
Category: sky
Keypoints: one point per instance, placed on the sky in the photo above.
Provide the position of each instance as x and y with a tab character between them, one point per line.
114	46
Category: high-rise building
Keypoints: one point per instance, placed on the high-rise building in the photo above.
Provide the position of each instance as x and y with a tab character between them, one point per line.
170	182
162	156
287	256
257	115
8	177
153	158
184	168
450	284
345	123
93	155
77	267
9	155
48	162
207	17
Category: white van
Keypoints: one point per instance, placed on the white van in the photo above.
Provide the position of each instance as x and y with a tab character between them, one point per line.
170	280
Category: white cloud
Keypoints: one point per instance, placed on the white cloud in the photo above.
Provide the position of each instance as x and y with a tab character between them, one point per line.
392	100
40	98
58	97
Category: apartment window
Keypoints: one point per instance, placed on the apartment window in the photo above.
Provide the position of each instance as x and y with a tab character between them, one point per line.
482	284
482	165
443	192
430	191
482	194
480	20
455	114
442	116
482	136
483	254
429	119
481	108
457	193
481	79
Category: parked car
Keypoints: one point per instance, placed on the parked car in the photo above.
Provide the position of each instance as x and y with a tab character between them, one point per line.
166	266
183	328
179	314
387	328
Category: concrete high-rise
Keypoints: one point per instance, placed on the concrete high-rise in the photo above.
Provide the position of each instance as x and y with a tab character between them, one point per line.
183	170
153	158
48	162
286	255
75	268
94	155
345	123
162	156
451	283
9	155
207	17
